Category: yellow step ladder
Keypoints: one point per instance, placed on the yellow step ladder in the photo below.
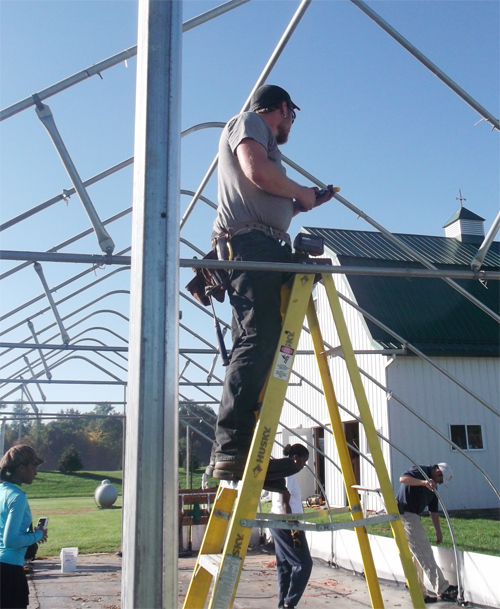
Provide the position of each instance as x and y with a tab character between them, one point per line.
234	511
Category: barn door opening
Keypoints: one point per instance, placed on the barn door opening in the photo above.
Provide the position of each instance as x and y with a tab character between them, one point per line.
351	430
319	459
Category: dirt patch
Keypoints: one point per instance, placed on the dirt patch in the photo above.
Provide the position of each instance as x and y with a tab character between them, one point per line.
63	511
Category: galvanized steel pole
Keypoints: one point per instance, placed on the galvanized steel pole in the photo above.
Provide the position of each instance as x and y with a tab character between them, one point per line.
97	68
150	537
477	261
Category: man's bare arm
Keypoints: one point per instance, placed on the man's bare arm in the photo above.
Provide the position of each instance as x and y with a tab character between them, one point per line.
257	167
437	526
411	481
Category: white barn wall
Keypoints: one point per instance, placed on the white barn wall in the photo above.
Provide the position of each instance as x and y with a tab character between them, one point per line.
313	401
442	403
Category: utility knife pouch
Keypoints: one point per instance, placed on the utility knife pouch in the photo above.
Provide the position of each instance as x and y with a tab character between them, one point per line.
208	282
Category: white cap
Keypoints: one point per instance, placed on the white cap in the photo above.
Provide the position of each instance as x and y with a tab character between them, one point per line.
447	473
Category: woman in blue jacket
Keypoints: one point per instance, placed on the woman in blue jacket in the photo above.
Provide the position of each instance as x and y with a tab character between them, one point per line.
18	466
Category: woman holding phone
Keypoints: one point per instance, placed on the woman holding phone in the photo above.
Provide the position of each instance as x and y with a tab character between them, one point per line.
18	466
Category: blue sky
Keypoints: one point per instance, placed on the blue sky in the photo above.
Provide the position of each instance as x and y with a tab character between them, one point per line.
374	121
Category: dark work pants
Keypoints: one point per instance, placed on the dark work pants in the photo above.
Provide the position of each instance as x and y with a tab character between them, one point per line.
294	568
255	298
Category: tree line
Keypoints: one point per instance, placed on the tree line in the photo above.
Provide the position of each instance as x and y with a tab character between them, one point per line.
98	441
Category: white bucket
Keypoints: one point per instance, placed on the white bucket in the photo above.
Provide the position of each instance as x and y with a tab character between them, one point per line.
68	559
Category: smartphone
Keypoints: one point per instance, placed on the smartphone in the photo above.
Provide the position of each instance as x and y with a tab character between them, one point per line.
43	521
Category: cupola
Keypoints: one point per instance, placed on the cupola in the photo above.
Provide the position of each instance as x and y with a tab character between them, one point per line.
465	226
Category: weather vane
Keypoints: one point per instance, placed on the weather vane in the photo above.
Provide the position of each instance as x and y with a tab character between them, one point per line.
461	198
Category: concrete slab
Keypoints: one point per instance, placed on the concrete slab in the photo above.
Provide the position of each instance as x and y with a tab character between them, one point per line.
96	584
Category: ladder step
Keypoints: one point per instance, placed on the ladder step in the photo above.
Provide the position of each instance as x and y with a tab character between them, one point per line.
327	526
302	516
367	489
210	562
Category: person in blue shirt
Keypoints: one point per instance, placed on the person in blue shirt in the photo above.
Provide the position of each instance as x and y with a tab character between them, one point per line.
415	494
18	466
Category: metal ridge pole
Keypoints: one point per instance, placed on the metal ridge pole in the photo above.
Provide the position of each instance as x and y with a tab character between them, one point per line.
69	241
150	532
211	14
53	347
112	61
338	270
299	13
427	63
62	382
96	259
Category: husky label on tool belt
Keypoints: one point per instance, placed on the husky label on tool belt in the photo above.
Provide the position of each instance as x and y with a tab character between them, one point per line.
284	362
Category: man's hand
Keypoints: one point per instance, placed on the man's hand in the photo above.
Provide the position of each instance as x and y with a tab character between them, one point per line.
320	196
305	199
430	484
437	527
327	194
297	544
44	538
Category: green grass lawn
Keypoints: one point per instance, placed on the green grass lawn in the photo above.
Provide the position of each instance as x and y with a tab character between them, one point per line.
78	522
75	519
80	484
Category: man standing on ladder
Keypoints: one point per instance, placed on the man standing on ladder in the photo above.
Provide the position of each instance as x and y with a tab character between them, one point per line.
256	204
414	495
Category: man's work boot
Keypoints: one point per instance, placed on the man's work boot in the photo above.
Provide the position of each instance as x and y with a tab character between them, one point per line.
209	470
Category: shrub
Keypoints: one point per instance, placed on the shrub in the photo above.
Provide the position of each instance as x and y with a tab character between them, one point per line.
70	461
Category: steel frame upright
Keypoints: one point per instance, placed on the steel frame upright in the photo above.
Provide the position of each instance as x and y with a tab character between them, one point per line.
150	538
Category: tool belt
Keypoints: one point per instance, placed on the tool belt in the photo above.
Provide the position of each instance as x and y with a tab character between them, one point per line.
211	282
247	226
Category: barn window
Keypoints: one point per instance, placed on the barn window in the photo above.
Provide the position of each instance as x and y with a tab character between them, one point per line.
467	437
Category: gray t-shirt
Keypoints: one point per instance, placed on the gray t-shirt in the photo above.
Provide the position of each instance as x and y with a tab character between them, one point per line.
239	199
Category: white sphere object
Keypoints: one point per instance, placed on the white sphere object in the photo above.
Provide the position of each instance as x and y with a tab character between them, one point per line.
106	494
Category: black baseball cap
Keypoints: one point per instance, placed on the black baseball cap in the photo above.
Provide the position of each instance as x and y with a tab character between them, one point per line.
267	95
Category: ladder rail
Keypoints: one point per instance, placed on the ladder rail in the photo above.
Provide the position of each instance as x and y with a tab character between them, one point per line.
373	443
353	498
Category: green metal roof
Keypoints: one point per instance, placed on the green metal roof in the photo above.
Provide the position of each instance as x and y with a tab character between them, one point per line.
376	246
463	214
426	312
